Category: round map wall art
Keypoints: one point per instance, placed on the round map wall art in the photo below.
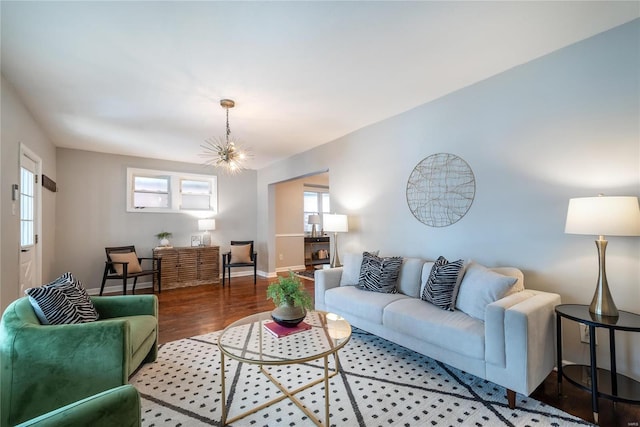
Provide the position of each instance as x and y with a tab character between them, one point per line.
440	190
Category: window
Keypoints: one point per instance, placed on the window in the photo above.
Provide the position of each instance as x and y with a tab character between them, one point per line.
150	192
162	191
195	194
315	202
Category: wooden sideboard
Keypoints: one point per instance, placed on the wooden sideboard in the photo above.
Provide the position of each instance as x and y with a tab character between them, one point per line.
316	251
189	266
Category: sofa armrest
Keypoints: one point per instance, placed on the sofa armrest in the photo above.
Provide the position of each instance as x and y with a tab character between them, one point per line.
125	305
54	365
325	279
526	338
495	326
118	406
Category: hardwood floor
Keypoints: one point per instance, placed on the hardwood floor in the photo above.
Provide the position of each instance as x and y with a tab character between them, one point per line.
197	310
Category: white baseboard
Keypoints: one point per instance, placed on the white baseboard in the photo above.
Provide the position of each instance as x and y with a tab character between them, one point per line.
146	285
118	288
291	267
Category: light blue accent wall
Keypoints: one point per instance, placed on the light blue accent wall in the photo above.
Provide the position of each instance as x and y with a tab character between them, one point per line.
565	125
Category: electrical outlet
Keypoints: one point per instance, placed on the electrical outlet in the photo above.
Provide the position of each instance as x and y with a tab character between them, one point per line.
584	334
281	257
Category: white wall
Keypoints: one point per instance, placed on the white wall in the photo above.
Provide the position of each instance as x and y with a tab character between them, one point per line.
565	125
92	212
18	126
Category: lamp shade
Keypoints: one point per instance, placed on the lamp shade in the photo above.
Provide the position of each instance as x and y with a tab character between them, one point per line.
206	224
313	219
600	216
335	223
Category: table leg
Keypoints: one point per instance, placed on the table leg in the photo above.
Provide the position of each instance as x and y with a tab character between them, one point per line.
559	351
223	397
594	372
326	391
614	369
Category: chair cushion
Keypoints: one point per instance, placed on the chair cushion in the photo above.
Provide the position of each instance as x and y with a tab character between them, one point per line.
240	254
142	326
379	274
130	257
62	301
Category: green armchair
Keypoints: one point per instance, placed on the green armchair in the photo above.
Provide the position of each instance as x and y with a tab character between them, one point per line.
45	367
118	406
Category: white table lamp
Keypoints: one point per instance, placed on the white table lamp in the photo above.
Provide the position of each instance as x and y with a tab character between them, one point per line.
335	223
206	225
600	216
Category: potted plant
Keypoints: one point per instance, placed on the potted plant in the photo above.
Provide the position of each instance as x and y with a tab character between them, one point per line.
291	300
164	238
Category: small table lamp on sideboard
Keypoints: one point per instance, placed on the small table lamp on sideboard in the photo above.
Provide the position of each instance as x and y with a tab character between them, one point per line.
314	220
335	223
206	225
600	216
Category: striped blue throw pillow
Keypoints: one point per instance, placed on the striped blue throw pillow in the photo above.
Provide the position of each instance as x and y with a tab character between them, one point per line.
379	274
62	301
443	283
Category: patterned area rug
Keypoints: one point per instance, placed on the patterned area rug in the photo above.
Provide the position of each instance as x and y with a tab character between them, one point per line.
307	274
380	384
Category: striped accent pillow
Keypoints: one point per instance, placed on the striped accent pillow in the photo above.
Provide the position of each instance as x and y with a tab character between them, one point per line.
62	301
443	283
379	274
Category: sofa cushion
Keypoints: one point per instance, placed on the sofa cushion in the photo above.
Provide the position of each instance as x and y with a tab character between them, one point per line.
480	287
63	301
351	263
409	277
357	302
379	274
452	330
441	288
426	271
512	272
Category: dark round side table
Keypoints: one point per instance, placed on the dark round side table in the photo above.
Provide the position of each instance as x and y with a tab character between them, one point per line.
600	382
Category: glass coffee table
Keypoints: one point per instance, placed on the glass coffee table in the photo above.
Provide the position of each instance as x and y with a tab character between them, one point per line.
247	341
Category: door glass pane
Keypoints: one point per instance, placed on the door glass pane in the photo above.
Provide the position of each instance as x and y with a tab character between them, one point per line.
27	235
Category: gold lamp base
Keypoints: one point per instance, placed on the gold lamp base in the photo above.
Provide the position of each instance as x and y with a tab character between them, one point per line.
602	303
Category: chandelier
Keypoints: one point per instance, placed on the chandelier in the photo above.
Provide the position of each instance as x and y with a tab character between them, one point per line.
224	153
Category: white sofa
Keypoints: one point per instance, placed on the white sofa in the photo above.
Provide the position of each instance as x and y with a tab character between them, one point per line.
513	346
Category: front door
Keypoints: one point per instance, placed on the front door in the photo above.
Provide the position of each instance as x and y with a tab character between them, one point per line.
29	220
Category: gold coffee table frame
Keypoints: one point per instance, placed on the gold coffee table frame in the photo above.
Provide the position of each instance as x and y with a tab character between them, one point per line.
328	334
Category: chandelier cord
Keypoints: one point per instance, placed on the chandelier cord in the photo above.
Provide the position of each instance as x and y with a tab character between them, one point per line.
228	128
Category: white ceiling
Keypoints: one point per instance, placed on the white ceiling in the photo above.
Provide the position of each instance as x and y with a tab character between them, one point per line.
145	78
